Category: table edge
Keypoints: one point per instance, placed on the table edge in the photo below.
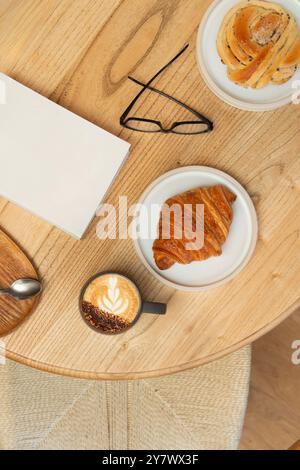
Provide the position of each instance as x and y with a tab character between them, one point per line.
89	375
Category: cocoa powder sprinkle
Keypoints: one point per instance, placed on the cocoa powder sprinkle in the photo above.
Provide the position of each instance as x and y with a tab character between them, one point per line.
101	320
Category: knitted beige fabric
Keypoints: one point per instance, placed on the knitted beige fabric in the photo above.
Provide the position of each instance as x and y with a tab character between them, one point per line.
199	409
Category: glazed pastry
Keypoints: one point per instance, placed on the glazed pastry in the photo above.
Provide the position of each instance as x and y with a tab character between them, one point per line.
218	215
259	41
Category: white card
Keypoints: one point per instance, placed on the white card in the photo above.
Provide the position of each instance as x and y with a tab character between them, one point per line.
52	162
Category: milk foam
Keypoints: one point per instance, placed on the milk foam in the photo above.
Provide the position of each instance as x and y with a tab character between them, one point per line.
114	294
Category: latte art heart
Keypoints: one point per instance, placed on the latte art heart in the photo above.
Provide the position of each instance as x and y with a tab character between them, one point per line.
114	301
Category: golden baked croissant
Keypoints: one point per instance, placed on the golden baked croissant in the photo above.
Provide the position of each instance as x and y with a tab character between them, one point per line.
218	215
259	41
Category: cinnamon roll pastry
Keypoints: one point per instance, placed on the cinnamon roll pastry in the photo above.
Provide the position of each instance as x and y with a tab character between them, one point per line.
259	41
217	202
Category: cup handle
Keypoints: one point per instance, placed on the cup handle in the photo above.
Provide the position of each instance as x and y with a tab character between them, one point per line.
154	307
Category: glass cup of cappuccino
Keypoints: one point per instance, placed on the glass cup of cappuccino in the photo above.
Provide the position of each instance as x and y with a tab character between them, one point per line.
111	303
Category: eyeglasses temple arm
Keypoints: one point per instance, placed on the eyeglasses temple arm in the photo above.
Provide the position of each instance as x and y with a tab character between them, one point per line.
198	115
145	86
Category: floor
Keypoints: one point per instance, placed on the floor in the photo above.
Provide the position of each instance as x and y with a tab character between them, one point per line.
273	416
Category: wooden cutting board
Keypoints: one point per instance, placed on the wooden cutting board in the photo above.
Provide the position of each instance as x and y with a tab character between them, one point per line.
14	264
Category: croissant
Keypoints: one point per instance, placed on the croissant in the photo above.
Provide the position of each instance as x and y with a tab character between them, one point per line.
259	41
218	215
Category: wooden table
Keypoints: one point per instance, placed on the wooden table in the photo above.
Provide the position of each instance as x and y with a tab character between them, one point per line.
79	53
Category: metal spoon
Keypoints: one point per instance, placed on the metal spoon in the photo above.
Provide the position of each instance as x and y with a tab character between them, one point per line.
23	289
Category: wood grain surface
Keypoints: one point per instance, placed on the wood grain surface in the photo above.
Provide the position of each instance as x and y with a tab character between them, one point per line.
79	53
14	264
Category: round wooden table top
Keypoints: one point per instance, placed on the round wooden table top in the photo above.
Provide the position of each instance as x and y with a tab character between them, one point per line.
79	54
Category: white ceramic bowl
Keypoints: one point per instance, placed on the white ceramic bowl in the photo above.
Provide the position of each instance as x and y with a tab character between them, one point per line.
237	250
215	73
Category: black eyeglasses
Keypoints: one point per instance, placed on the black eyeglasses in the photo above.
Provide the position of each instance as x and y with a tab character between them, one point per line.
199	126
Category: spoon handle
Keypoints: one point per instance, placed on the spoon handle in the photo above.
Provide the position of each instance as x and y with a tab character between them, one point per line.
4	292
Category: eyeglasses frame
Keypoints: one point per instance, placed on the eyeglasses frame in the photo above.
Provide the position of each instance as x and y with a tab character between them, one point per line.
124	120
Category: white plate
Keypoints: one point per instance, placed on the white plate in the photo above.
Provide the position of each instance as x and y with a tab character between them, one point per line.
237	250
215	73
